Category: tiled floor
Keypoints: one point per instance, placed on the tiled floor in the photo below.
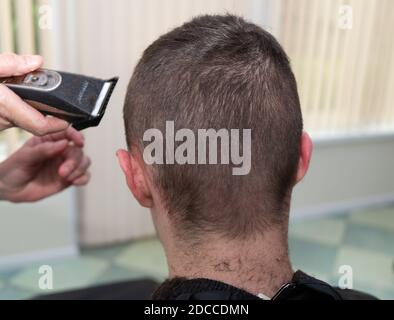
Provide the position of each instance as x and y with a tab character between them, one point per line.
363	240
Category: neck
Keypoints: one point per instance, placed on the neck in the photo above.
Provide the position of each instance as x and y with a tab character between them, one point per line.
258	265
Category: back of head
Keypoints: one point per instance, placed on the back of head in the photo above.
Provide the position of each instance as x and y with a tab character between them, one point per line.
220	72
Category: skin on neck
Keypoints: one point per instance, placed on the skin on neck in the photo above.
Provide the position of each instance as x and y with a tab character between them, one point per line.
259	264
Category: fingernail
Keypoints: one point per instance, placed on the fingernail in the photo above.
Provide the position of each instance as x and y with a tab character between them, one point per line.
33	60
63	125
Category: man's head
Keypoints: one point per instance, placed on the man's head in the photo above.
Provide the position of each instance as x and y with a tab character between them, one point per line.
217	72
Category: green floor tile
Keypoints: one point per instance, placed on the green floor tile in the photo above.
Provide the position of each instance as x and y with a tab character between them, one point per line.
316	274
12	293
116	274
67	274
370	238
325	231
370	268
382	218
108	253
311	257
6	274
147	256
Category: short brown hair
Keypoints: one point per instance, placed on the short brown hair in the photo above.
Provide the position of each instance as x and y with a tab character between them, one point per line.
220	72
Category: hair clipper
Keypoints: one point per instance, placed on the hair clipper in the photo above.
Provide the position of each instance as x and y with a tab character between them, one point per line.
75	98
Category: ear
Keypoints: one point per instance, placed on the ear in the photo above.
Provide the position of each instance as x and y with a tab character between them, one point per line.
306	147
135	177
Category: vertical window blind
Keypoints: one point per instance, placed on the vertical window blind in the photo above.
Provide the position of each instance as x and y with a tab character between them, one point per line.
342	55
19	33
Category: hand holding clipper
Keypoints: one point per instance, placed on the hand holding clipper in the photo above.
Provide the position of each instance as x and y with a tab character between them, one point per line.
78	99
13	110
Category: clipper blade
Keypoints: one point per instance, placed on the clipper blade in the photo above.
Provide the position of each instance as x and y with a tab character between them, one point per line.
100	106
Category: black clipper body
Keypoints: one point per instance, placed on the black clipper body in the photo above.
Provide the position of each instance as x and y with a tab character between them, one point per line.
77	99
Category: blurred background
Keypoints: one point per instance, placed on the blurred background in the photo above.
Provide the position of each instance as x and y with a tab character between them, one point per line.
343	213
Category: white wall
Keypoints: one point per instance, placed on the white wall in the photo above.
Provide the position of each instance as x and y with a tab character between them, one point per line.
347	173
37	231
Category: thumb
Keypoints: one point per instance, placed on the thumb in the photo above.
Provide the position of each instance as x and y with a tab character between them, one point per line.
15	65
46	150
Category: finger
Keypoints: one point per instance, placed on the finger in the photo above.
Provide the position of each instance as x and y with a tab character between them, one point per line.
18	112
80	170
82	180
4	124
70	134
33	141
73	157
44	151
16	65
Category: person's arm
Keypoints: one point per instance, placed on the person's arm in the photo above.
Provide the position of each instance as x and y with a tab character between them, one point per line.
14	112
44	166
